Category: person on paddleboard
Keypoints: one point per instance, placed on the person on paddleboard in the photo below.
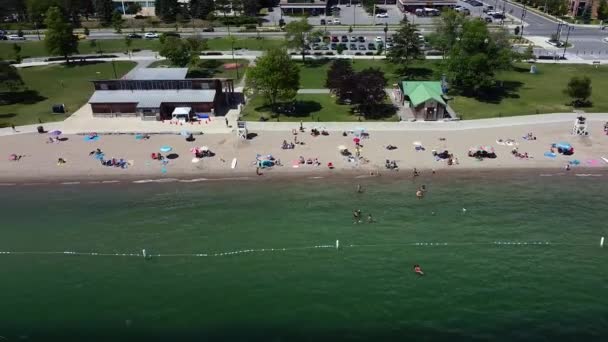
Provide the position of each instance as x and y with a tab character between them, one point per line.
418	270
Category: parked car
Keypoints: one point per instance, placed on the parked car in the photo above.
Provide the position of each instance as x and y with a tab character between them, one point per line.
323	22
343	46
315	40
378	39
14	37
487	9
475	3
335	39
171	34
344	39
334	46
336	21
134	36
362	47
382	15
353	46
208	29
389	46
371	46
151	35
488	19
361	39
354	39
389	39
498	15
80	36
3	37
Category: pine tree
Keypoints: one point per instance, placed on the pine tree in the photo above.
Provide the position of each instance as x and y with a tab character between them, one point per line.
200	9
103	10
59	38
602	10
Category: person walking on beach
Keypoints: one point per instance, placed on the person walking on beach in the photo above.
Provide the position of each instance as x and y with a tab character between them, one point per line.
13	127
226	121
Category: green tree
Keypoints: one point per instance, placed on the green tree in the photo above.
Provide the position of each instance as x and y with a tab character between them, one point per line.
167	9
406	44
10	81
447	29
133	8
340	79
275	77
117	22
59	38
104	10
182	52
602	10
128	44
296	34
579	89
586	15
200	9
86	31
237	6
222	6
251	7
17	53
368	92
476	56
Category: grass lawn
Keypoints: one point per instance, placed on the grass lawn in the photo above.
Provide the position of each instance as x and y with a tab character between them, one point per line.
524	93
314	73
208	68
309	107
521	93
37	49
55	84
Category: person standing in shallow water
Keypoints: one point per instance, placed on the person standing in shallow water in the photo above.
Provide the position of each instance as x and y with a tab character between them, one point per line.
415	173
359	189
357	216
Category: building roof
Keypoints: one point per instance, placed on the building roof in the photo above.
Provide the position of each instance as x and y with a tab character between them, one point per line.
152	98
420	92
157	74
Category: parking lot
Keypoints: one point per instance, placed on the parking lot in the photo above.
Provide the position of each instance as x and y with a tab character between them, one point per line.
355	15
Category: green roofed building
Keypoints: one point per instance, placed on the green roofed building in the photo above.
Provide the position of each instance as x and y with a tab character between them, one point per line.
425	99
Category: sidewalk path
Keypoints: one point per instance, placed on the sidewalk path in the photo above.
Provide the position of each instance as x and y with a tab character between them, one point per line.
314	91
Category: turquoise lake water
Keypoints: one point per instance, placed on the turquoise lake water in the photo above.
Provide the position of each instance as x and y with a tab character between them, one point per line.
477	287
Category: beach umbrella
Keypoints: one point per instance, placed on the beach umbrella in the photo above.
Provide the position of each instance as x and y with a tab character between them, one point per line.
417	143
166	149
55	133
356	140
342	148
195	160
12	157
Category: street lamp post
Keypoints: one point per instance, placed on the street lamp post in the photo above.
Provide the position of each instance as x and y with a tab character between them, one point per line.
523	15
385	36
567	36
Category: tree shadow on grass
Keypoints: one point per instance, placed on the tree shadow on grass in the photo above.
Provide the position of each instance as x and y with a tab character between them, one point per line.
297	109
7	116
21	97
315	63
200	73
415	73
500	91
382	111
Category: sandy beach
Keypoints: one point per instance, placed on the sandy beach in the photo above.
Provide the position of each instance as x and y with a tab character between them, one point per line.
39	158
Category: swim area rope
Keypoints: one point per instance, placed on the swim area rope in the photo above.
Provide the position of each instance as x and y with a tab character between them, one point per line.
337	246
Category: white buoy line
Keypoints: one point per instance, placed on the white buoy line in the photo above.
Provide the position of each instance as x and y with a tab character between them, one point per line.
144	254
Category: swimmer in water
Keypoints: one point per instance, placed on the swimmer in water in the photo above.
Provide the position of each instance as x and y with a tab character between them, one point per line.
423	188
418	270
370	219
359	189
357	216
419	194
416	174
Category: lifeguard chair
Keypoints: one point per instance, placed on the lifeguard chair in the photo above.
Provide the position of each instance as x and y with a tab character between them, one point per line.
580	127
241	130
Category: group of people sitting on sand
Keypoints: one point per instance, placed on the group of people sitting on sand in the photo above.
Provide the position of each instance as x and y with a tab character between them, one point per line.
99	155
517	154
315	132
288	146
391	147
529	136
391	165
309	161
